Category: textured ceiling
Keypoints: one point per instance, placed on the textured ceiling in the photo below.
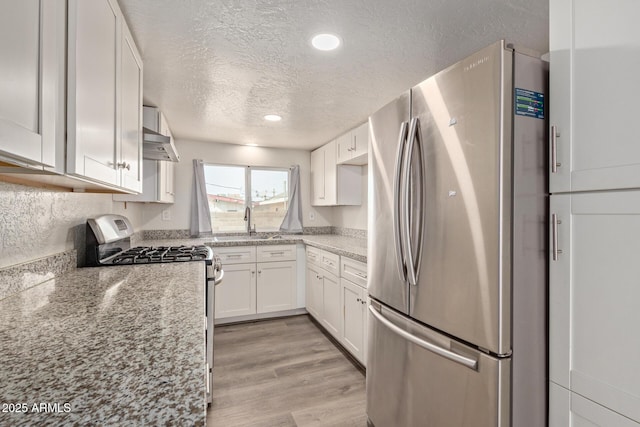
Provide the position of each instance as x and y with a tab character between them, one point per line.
216	67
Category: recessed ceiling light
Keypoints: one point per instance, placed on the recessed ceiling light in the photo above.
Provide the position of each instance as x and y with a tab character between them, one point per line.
272	118
325	41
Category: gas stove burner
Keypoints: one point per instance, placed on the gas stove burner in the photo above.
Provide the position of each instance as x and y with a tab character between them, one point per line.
160	254
108	242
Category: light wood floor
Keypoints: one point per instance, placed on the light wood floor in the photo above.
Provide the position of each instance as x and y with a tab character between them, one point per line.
283	372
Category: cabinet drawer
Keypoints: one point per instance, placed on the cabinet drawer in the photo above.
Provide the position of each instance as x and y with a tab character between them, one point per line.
236	254
276	253
330	262
354	271
313	256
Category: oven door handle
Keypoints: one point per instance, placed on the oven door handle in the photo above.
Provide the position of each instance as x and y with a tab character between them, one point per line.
218	279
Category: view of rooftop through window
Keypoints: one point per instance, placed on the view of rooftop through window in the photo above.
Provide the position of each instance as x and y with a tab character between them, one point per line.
232	188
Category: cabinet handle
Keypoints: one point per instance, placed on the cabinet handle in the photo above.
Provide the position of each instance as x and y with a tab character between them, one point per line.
318	277
358	299
277	253
253	273
259	271
208	380
364	276
234	255
554	149
364	302
124	165
554	237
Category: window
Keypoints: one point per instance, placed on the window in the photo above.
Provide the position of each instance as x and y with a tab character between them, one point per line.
232	188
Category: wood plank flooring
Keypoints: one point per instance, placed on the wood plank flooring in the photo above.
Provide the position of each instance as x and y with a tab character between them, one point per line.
283	372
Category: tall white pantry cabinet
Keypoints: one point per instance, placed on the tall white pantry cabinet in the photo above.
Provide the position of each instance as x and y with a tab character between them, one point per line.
594	270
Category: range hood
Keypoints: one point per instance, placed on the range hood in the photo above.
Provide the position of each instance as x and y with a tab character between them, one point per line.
158	147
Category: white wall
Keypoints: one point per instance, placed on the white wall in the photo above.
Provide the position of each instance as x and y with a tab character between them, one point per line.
213	152
35	223
353	216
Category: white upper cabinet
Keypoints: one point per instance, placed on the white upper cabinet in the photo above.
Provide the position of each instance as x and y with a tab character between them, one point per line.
130	113
31	53
353	146
594	89
333	184
104	81
158	184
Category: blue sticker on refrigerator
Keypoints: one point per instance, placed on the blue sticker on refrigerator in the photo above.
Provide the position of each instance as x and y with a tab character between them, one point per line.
529	103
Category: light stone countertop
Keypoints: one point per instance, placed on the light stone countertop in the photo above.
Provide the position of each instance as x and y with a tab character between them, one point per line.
351	247
121	345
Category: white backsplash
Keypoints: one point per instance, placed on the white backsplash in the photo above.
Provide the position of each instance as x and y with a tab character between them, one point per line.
35	223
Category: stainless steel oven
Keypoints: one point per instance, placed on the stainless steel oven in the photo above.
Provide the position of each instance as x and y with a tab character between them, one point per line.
108	243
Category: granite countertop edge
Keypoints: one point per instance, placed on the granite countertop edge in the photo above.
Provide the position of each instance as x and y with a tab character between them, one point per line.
111	342
352	247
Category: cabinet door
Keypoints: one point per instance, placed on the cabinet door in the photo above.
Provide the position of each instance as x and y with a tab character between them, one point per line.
344	147
330	174
236	295
314	289
594	296
353	318
94	44
130	114
166	171
360	144
571	409
29	72
317	177
331	304
276	288
595	55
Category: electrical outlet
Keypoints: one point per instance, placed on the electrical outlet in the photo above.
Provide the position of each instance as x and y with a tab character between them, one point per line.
166	215
312	216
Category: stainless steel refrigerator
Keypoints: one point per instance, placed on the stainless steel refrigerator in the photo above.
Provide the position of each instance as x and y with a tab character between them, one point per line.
457	248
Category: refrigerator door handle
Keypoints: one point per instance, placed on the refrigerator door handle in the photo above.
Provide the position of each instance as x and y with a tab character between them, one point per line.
447	354
413	260
397	214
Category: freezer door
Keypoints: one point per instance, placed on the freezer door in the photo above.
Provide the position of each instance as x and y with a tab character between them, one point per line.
463	286
417	377
388	135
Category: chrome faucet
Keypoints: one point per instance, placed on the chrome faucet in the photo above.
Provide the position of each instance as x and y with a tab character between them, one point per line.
247	217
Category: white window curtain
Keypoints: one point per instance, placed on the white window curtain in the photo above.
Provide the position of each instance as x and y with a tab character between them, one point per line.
200	215
292	222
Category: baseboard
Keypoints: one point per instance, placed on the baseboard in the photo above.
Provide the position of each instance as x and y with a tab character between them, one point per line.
260	316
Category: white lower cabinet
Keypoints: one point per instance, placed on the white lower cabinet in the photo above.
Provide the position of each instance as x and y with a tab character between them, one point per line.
236	295
339	301
567	409
314	291
354	317
250	287
331	306
276	286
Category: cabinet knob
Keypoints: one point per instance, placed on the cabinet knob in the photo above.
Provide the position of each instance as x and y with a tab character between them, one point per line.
259	271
